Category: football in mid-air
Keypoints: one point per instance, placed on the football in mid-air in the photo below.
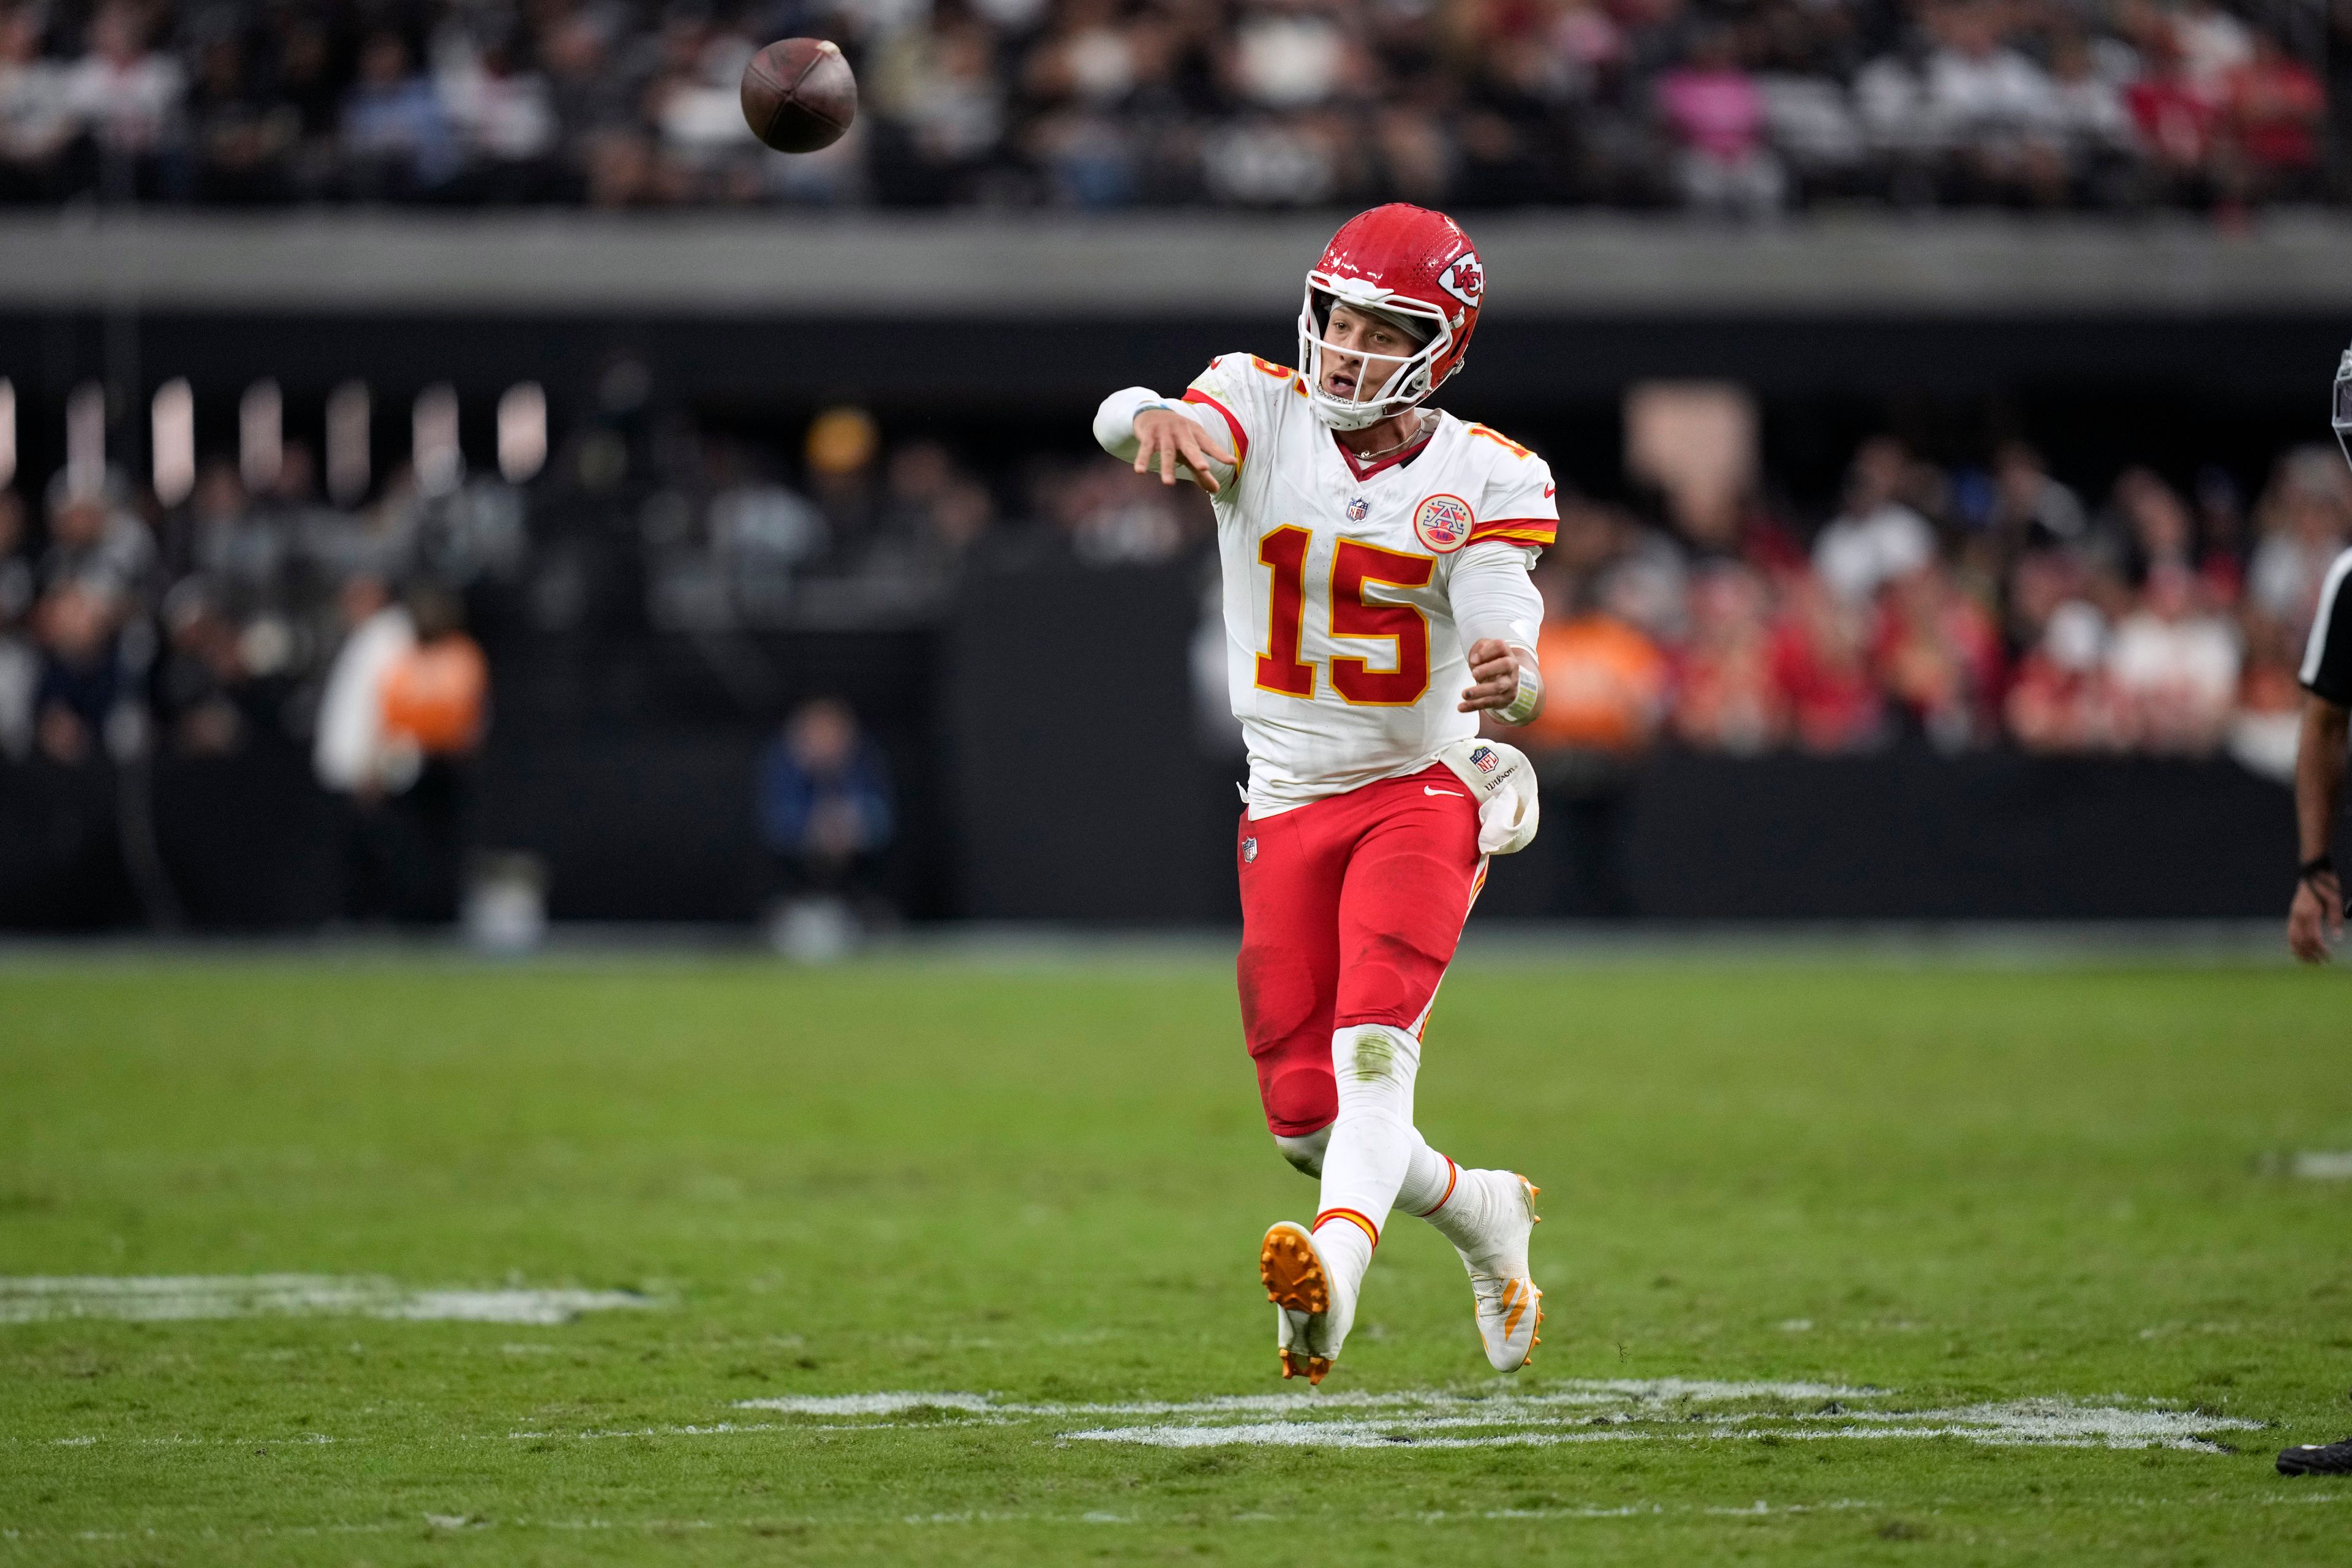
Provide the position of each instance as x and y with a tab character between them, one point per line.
799	94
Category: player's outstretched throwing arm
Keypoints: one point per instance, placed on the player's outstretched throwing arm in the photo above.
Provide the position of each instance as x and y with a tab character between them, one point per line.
1173	440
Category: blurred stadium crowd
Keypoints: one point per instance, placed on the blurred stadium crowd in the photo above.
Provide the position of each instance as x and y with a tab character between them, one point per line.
1746	106
1965	607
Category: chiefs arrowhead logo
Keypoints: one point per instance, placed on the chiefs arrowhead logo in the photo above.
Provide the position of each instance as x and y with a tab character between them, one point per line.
1464	278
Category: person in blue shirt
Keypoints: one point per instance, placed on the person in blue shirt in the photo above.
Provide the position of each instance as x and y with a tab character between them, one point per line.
825	804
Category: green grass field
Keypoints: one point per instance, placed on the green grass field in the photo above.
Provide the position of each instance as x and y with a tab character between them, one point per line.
1935	1252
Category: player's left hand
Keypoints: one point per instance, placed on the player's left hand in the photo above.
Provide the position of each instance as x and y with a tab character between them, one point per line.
2315	921
1495	666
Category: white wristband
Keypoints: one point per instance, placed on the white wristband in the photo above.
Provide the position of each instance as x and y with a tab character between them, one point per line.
1526	700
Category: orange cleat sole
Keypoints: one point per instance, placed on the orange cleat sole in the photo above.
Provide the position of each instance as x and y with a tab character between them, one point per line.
1294	1280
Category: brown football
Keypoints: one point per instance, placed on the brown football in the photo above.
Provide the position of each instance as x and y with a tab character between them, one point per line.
799	94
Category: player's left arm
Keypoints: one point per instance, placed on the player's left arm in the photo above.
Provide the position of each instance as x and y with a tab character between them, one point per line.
2316	917
1497	610
1499	616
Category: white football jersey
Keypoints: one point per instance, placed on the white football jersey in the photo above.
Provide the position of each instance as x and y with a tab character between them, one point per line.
1341	654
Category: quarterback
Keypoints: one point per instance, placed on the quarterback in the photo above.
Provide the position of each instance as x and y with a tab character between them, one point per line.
1375	557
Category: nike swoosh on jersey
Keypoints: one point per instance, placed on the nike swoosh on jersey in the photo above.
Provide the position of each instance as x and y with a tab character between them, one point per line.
1454	793
1547	489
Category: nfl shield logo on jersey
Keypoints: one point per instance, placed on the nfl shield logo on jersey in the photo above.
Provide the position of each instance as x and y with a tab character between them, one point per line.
1249	850
1443	523
1357	508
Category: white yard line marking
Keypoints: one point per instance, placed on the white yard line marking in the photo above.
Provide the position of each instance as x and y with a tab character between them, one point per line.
195	1297
2325	1165
1584	1411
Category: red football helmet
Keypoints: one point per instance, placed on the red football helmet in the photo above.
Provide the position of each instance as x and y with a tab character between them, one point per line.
1398	260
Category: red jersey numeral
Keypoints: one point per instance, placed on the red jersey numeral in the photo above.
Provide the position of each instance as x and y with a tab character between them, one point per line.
1278	668
1353	565
1353	615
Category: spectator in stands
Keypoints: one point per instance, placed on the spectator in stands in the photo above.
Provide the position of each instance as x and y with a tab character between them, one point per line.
353	756
2303	519
131	99
95	540
1114	517
1716	115
2177	122
940	107
2088	123
2272	106
1821	668
431	697
827	814
1993	109
300	71
1875	538
1725	697
1606	688
2176	666
397	133
78	623
244	138
2064	699
20	664
37	123
202	674
932	512
1938	657
504	116
2148	524
2031	510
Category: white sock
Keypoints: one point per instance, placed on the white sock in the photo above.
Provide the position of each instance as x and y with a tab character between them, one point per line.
1434	1190
1372	1143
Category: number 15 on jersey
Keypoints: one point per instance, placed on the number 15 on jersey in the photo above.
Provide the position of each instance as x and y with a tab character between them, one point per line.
1341	609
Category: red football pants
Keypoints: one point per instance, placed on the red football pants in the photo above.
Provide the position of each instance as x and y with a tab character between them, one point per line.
1351	908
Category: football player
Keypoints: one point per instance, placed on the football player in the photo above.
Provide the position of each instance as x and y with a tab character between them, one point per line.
2315	919
1377	603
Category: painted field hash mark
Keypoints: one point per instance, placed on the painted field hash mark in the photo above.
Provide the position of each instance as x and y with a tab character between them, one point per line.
1583	1411
196	1297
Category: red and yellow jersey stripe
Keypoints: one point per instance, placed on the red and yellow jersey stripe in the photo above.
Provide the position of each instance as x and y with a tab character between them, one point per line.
1241	440
1536	531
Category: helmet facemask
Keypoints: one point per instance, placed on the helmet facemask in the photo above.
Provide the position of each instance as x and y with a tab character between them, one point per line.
2339	410
1407	379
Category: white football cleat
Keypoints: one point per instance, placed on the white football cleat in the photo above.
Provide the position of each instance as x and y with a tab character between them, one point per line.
1312	1315
1510	1308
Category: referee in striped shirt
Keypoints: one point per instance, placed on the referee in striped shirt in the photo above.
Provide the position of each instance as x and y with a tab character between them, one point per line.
2316	920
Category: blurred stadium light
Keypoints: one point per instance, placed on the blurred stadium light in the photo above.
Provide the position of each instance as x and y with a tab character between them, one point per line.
261	435
439	461
86	439
522	432
172	441
349	409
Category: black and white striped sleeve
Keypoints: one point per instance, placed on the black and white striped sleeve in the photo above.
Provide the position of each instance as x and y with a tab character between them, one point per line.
2327	659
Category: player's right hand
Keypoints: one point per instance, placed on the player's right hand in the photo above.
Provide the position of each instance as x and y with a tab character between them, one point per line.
2315	921
1167	440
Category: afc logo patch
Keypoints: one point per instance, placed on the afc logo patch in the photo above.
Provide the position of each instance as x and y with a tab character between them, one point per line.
1443	523
1357	508
1249	850
1465	278
1486	758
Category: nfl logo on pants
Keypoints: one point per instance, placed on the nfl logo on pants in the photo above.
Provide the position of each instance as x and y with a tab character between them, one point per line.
1249	850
